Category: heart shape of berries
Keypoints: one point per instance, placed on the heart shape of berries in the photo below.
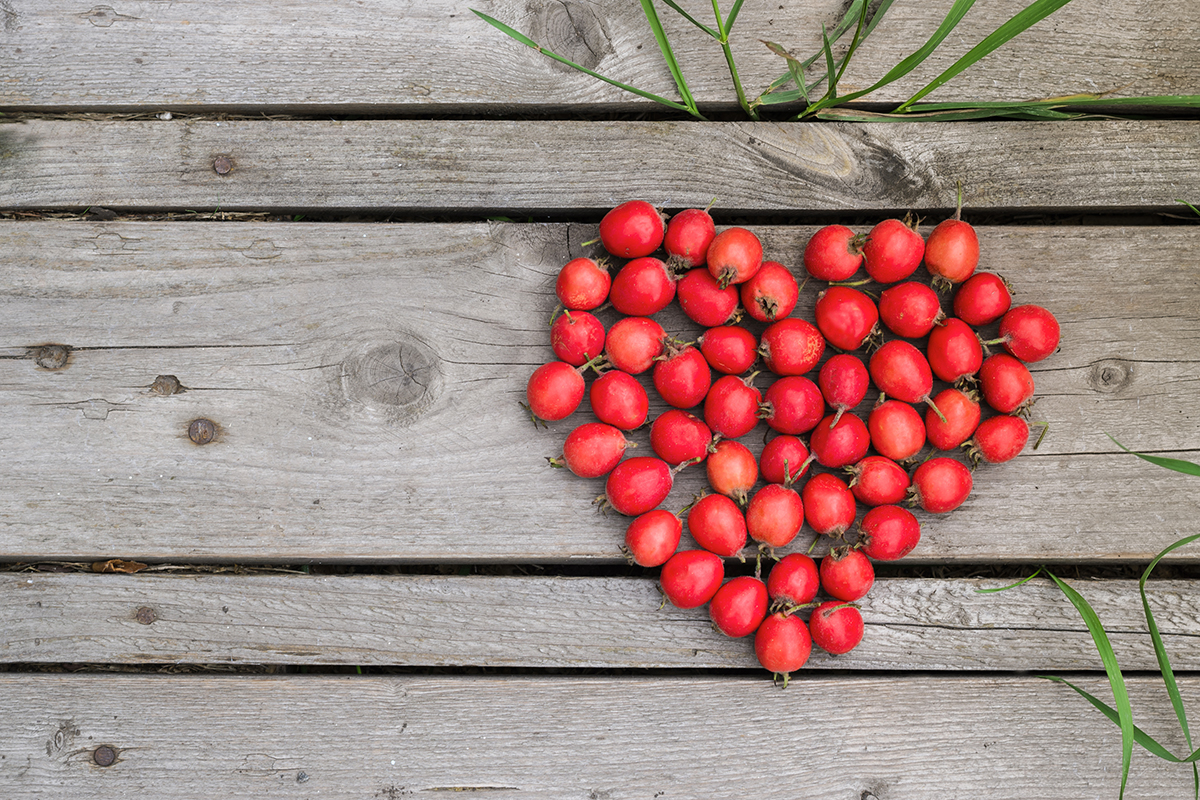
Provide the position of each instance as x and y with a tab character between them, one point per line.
946	403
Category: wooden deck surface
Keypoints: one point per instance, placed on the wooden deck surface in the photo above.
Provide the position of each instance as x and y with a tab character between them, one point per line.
338	228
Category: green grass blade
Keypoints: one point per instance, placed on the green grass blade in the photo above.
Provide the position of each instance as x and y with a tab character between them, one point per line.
668	54
1115	679
525	40
1018	112
795	69
1189	205
1175	464
692	19
737	7
1011	585
831	69
1145	740
1024	19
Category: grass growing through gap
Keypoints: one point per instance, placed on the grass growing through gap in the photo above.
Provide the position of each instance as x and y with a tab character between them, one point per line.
797	87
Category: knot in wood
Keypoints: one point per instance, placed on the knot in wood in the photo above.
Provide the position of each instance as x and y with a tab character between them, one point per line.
50	356
401	379
104	756
572	29
166	385
202	431
1110	375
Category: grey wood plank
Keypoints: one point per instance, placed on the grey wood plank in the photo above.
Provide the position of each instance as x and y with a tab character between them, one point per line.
375	56
433	621
533	168
833	738
365	381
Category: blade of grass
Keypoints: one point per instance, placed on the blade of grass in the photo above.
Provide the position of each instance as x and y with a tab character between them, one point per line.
692	19
723	29
1021	21
668	54
525	40
1189	205
795	69
831	69
1175	464
733	13
1037	572
1145	740
771	95
1115	679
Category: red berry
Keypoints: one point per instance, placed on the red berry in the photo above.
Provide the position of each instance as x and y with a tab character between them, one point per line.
652	538
910	309
717	525
771	294
791	346
638	485
846	574
690	578
982	299
619	400
632	230
897	430
843	380
732	470
954	350
689	233
783	453
677	436
1006	383
900	371
739	606
878	481
841	444
833	253
999	439
829	507
940	485
775	515
554	391
731	406
1029	332
893	251
582	284
889	532
642	287
734	256
962	414
793	404
577	337
729	348
633	343
593	449
846	317
836	628
682	378
703	301
952	251
793	580
782	644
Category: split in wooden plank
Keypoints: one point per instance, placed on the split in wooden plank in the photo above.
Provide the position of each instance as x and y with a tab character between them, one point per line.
610	623
530	168
364	380
376	57
353	737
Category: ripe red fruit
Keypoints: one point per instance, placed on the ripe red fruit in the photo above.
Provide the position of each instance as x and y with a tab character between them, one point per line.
896	429
782	458
910	309
771	294
689	233
836	628
843	380
717	525
619	400
682	377
878	481
962	413
901	371
632	229
652	538
846	574
828	505
954	350
792	404
952	251
554	390
703	301
846	317
775	515
638	485
893	251
731	406
889	532
1029	332
793	581
982	299
677	436
732	470
782	644
729	348
734	256
577	337
1006	383
940	485
739	606
642	287
999	439
690	578
841	444
833	253
791	346
582	284
593	449
633	343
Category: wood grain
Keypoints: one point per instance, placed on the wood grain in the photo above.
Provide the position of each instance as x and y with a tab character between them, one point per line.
497	621
833	738
513	168
376	57
364	381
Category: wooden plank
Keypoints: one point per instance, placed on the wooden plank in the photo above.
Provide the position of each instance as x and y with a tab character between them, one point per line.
409	620
365	382
373	57
349	737
562	167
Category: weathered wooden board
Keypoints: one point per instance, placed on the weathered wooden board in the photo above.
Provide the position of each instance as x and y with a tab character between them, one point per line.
365	379
497	621
380	57
388	737
484	168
